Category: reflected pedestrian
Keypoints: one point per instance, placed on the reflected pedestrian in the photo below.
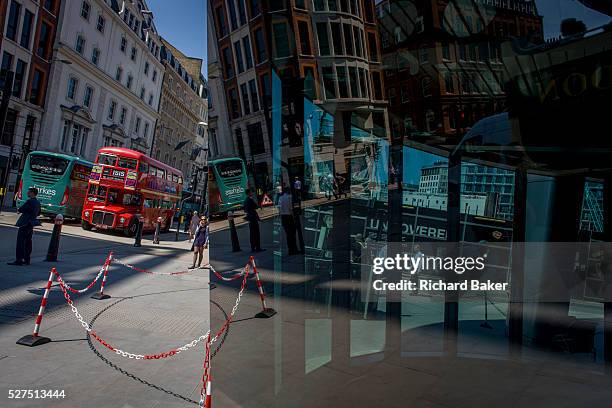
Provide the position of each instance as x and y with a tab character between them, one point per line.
193	225
29	211
200	242
285	205
250	211
297	188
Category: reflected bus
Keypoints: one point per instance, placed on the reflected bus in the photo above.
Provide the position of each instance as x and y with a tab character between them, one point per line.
61	181
227	185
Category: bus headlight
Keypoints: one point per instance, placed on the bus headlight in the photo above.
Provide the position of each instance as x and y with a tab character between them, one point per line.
86	214
122	220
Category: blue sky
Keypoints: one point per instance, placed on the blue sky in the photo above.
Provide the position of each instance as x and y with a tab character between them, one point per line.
554	11
183	24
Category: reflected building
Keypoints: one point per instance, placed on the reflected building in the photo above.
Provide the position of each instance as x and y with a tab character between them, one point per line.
443	63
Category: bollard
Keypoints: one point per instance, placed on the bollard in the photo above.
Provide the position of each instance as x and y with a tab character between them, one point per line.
233	232
33	340
138	237
55	239
157	230
266	311
102	295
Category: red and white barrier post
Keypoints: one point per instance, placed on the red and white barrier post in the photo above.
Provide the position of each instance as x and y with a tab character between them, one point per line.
208	396
266	311
34	339
102	295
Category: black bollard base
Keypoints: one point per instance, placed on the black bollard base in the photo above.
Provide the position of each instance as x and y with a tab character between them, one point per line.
99	296
212	285
265	314
32	341
52	259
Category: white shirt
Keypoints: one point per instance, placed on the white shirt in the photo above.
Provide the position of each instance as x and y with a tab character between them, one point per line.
284	204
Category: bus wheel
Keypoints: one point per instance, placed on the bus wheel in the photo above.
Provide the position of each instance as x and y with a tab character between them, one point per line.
130	231
85	225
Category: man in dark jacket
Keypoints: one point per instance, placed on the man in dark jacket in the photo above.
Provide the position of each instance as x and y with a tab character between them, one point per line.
250	212
29	211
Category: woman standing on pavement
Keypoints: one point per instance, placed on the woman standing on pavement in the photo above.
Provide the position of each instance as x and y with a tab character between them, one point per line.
200	242
193	225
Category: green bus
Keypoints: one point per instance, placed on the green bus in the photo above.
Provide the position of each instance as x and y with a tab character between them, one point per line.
61	181
227	184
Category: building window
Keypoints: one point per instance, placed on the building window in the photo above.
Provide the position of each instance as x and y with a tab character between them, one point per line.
130	81
49	5
448	83
145	133
233	102
13	20
423	55
73	84
372	45
348	39
377	85
323	38
337	38
85	9
304	38
242	12
353	82
80	44
43	41
221	24
146	68
255	8
446	52
329	82
342	81
256	139
239	61
227	62
133	54
111	110
142	93
118	74
261	46
137	126
123	45
101	23
95	56
426	86
154	75
266	98
232	14
245	99
247	52
20	70
122	115
151	99
88	96
26	29
253	95
35	89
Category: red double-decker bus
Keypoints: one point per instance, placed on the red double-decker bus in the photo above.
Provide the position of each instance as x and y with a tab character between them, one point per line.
125	184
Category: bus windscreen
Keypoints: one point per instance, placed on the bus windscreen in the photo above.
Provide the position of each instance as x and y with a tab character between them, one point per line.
49	165
229	168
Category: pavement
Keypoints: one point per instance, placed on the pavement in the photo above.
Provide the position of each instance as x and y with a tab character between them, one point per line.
323	347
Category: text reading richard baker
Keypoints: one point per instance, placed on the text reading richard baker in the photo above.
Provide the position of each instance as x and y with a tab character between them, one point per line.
422	263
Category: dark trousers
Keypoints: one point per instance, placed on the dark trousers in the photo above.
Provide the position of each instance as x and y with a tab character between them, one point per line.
24	244
289	227
254	235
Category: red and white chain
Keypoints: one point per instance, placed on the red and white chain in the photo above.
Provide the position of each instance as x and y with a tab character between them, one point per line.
79	291
223	278
137	269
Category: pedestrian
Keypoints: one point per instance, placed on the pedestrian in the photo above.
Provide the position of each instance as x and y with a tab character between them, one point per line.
330	186
193	225
200	242
285	206
250	212
29	211
297	188
278	190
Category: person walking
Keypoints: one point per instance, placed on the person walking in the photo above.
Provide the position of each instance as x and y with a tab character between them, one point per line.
285	207
250	212
297	188
29	211
193	225
200	242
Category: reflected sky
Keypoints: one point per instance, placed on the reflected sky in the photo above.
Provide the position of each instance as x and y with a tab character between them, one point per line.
554	11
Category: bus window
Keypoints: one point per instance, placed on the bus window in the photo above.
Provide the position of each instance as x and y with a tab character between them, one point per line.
175	178
96	193
126	163
112	196
132	199
54	166
231	168
107	159
169	176
143	167
161	174
153	170
166	204
180	180
149	203
80	172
